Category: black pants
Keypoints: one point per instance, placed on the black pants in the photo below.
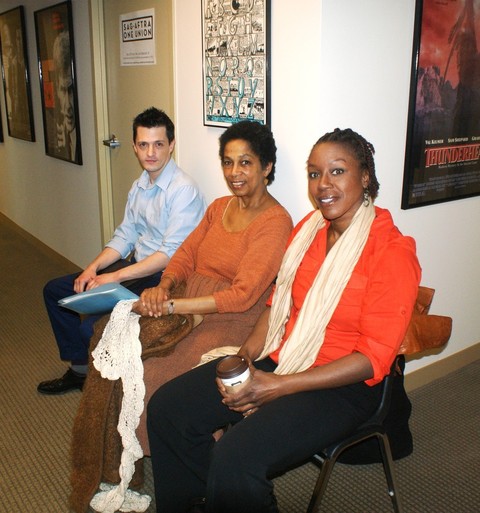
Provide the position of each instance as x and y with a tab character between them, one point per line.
234	474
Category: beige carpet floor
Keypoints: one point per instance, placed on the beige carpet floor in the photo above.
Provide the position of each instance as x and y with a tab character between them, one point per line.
441	476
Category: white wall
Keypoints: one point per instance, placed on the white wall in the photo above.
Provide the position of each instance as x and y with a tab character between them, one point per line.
54	200
344	64
295	122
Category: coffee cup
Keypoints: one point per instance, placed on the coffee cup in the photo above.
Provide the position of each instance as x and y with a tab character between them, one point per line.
234	372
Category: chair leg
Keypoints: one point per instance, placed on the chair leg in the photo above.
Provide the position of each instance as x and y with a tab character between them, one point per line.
321	485
389	472
326	469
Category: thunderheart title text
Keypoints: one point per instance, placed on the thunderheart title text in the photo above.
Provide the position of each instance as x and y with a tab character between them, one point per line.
451	154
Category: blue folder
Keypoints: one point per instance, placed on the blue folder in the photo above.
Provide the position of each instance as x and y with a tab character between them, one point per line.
99	300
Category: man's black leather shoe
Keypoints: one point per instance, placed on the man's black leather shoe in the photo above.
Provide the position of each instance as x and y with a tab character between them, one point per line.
69	381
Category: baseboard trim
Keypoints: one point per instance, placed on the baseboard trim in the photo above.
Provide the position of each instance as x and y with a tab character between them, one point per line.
70	267
441	368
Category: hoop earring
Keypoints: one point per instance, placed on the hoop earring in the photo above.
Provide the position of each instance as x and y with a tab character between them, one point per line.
366	197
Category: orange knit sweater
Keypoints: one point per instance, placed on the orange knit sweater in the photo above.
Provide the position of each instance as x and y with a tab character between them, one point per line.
248	260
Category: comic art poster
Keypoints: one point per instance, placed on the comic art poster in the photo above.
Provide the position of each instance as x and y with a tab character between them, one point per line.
443	138
235	61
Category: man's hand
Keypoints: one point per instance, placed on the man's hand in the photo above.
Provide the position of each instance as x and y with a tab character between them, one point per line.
89	279
101	279
81	282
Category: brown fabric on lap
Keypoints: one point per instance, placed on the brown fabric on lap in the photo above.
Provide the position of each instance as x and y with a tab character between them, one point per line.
96	445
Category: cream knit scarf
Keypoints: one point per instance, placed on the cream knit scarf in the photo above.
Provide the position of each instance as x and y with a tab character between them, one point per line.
307	336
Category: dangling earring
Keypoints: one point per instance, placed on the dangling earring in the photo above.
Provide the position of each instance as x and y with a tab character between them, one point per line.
366	197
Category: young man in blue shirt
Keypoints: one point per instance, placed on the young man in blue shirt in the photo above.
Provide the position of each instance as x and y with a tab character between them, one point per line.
164	205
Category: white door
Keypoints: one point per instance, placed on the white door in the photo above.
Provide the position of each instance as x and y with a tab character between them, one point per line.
124	91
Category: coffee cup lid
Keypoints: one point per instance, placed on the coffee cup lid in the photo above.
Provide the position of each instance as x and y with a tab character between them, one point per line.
231	366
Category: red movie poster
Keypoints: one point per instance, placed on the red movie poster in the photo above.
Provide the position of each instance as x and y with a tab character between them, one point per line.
443	138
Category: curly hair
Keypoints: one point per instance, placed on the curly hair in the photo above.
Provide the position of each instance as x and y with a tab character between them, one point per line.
260	139
361	149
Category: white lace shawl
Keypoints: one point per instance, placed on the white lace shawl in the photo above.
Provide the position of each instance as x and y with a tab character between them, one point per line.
118	356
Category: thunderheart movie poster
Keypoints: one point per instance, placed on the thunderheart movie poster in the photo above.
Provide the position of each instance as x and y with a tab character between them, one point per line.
443	140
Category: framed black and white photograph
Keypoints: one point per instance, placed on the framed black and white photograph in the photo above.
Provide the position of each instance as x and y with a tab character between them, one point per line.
15	74
56	66
236	61
442	161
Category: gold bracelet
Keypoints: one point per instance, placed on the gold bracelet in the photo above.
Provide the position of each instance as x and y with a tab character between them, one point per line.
171	307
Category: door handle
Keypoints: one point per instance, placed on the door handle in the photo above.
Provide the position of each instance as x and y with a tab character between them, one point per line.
113	142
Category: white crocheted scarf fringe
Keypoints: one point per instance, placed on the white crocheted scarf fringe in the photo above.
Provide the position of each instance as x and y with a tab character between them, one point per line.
118	356
306	339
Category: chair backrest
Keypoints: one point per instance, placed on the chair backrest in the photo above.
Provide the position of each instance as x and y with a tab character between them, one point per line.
382	410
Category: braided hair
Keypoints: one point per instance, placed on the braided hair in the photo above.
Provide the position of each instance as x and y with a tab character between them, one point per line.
361	148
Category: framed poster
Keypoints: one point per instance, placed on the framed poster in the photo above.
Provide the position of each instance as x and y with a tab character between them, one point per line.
56	67
16	81
442	161
236	61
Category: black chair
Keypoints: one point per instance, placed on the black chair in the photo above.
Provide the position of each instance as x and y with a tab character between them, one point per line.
374	428
425	333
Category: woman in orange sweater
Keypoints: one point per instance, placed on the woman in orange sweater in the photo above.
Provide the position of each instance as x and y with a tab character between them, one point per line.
228	262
